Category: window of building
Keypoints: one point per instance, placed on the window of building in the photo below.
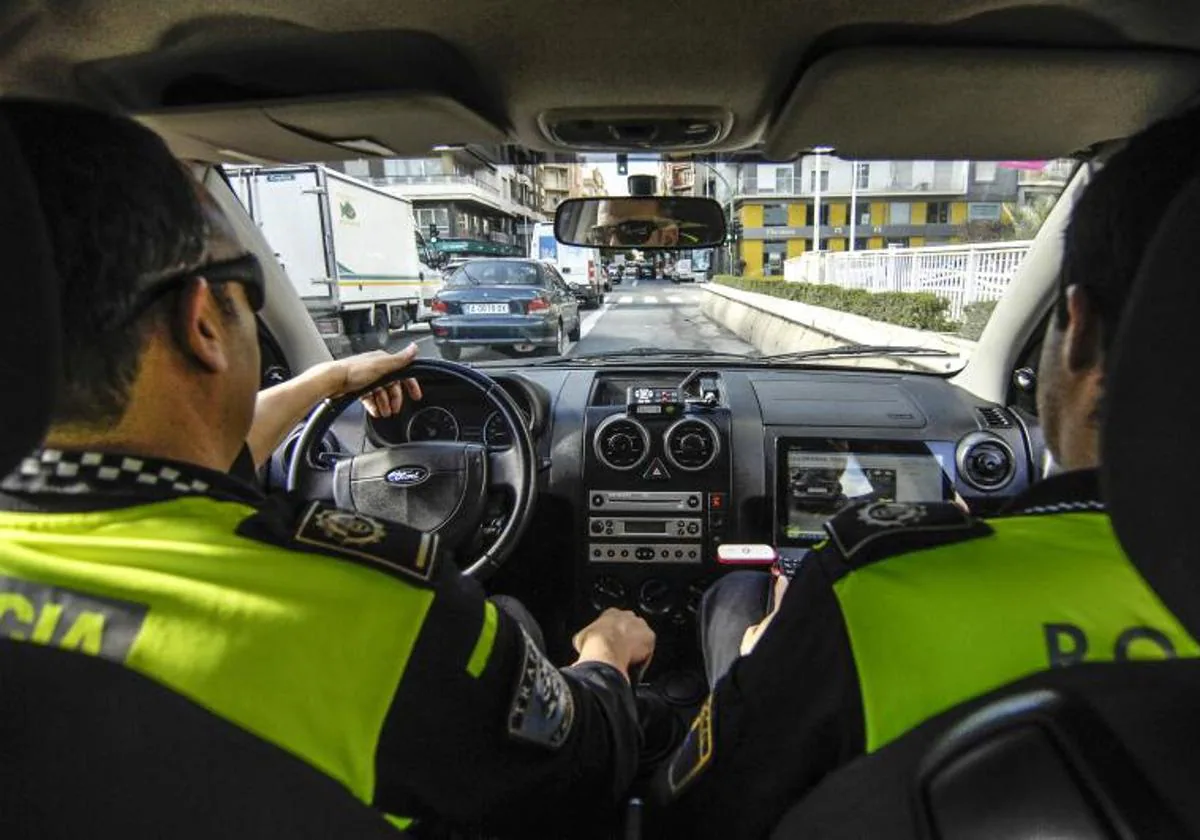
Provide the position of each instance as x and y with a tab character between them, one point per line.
862	175
861	244
784	180
812	180
775	215
864	215
439	216
357	168
943	175
899	213
825	208
937	213
774	253
985	171
902	174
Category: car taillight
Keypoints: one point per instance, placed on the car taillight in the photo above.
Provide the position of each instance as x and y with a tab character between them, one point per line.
538	305
440	306
591	270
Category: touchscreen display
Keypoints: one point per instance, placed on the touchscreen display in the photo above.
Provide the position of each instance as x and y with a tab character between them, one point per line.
818	478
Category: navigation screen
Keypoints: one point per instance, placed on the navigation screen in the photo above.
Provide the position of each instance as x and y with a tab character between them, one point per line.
818	478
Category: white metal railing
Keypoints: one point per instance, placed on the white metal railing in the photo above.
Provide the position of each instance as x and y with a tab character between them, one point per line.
960	274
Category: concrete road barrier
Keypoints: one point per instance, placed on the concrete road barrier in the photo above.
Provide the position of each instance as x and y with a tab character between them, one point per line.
775	325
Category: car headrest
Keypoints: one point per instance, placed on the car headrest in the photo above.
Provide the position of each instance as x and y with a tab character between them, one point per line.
29	339
1150	450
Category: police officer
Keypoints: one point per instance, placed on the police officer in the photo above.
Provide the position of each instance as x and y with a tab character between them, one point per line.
909	610
352	643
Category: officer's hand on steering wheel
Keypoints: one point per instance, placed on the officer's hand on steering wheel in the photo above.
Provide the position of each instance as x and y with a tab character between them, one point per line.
354	373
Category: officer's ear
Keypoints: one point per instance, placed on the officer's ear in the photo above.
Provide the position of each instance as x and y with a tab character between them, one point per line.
1082	348
200	328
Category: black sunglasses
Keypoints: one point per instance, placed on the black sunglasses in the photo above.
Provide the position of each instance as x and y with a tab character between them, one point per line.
245	269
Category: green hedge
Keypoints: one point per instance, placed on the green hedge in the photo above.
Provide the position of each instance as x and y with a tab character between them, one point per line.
920	310
975	318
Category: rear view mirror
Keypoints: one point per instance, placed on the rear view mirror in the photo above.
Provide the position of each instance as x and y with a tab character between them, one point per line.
645	222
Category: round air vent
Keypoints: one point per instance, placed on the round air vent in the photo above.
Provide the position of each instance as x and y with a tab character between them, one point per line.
985	461
621	443
692	444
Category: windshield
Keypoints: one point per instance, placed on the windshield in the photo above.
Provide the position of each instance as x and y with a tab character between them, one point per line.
919	252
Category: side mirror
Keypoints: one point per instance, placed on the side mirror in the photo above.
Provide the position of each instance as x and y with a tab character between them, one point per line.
645	222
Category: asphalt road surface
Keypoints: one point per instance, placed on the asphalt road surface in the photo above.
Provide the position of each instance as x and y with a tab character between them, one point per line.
650	313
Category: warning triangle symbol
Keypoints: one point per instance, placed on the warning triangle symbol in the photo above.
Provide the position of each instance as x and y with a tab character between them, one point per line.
656	471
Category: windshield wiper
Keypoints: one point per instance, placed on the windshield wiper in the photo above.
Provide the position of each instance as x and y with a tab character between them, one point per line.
664	354
852	350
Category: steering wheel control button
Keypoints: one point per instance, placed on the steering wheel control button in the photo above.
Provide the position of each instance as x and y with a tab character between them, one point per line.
693	528
657	471
716	501
597	526
693	501
597	500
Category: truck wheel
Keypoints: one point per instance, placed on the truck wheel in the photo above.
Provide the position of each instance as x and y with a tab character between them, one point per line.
450	352
574	334
383	330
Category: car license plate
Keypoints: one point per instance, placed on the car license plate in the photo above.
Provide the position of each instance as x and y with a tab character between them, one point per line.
485	308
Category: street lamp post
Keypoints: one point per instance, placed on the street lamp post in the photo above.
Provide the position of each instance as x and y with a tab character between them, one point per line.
729	222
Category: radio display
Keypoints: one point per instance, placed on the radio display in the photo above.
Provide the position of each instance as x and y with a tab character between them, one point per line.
645	526
817	477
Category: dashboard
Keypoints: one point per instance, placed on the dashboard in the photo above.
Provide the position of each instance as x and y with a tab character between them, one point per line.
645	471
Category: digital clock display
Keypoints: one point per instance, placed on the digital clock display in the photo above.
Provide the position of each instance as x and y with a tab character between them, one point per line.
649	526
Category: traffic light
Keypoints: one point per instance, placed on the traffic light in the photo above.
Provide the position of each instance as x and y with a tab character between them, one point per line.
735	230
433	230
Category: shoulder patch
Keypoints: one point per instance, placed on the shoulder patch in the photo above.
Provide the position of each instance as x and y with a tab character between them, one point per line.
323	529
542	711
868	531
696	751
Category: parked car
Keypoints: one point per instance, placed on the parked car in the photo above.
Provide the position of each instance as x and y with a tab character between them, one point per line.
645	271
630	271
520	305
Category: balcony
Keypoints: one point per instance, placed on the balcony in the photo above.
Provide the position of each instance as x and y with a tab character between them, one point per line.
481	187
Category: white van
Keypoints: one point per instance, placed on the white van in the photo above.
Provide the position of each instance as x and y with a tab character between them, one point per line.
683	272
579	266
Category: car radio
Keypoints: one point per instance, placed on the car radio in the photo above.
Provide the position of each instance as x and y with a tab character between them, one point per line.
642	401
645	527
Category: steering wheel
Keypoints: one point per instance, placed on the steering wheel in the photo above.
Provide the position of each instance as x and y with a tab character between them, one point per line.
434	486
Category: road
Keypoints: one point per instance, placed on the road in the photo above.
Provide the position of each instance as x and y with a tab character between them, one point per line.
644	313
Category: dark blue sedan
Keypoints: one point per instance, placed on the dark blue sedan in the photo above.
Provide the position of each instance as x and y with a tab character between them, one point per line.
519	305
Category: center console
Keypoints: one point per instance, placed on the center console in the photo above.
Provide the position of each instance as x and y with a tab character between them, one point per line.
658	500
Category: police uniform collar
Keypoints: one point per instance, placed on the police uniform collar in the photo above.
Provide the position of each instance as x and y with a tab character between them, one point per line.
84	474
1068	492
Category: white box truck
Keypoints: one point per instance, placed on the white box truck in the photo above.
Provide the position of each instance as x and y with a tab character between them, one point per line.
579	266
352	251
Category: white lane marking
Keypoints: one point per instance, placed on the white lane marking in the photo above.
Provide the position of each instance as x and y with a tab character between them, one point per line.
674	299
589	323
625	299
649	299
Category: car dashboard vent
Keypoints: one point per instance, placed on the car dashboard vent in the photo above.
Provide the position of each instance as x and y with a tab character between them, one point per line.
995	418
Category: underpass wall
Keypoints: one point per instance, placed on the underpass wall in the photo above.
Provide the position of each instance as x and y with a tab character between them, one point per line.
774	325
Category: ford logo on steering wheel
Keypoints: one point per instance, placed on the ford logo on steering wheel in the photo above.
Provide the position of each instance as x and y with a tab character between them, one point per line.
407	476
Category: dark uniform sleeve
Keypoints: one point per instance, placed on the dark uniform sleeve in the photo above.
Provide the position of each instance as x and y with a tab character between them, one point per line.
782	718
493	735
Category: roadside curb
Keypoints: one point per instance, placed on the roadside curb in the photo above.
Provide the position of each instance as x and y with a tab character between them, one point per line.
775	325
